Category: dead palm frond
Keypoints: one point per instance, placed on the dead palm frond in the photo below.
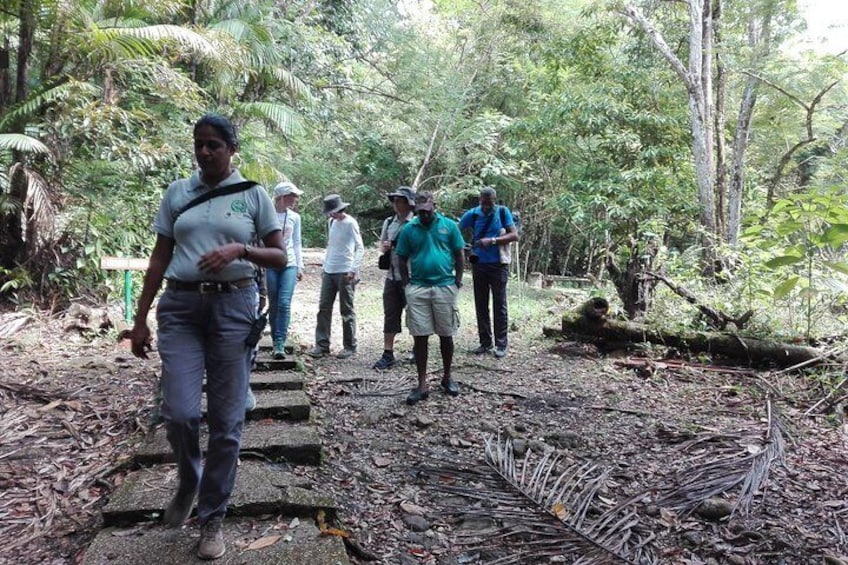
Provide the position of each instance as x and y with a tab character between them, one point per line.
542	507
386	385
744	466
38	207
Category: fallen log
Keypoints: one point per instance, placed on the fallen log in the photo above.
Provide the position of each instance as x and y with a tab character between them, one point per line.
756	352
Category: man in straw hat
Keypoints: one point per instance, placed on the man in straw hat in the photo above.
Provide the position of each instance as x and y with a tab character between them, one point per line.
342	262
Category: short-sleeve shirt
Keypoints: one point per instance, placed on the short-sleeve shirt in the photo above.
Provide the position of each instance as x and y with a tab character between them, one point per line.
390	232
430	250
239	217
476	221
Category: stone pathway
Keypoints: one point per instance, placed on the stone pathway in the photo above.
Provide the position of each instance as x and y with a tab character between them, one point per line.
273	512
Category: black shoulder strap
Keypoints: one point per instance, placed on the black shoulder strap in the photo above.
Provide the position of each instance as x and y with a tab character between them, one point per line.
389	221
223	191
485	227
503	216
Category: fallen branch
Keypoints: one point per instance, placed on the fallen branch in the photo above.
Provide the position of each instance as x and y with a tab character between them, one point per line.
622	410
490	391
826	398
718	318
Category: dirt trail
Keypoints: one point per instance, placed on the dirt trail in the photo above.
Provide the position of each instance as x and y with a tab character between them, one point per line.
72	406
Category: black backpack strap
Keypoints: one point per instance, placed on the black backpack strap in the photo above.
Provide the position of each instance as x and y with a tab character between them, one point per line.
223	191
485	227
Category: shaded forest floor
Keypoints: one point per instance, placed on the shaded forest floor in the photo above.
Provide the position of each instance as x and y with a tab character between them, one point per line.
412	482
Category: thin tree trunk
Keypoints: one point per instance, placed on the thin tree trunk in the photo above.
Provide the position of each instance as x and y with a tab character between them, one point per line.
699	107
426	162
720	123
12	250
5	79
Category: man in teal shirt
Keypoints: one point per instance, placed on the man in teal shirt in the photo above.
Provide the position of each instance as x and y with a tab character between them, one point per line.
430	260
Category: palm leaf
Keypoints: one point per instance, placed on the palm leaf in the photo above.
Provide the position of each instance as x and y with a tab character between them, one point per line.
279	116
37	100
746	467
295	87
548	509
157	34
385	385
21	142
37	202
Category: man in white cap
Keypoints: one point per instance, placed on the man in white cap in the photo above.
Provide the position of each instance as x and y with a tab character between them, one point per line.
342	262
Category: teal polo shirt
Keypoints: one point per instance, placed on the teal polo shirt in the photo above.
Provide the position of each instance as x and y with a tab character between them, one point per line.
430	250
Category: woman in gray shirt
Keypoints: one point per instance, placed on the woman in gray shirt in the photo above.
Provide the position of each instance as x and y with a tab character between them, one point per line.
205	317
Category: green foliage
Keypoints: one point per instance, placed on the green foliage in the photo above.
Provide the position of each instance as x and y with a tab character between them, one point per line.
804	237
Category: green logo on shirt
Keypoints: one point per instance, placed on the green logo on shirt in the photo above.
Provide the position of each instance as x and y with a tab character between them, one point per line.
238	206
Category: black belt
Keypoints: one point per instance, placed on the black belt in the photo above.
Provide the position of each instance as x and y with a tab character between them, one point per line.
208	287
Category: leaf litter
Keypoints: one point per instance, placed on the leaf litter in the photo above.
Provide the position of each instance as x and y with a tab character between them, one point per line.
74	406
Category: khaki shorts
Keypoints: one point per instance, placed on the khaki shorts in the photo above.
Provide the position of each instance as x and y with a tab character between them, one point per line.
432	310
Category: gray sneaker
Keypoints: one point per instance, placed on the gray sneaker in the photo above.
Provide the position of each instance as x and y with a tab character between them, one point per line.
500	352
212	539
345	353
317	352
179	509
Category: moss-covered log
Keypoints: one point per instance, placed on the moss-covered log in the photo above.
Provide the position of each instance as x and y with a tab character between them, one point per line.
753	351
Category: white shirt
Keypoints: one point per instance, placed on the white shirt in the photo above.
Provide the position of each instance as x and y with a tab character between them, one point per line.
344	247
290	222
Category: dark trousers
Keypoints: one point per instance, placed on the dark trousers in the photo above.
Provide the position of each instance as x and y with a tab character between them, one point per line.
490	278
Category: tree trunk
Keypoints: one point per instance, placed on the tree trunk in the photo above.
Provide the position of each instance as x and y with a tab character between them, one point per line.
752	351
759	41
720	123
700	112
633	286
12	250
5	79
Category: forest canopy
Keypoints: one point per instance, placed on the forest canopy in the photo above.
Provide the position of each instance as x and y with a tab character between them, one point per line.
695	136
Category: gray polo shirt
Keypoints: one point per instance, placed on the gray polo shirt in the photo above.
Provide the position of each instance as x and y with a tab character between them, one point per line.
239	217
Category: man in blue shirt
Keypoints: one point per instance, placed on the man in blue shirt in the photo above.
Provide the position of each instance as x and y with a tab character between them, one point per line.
430	261
492	228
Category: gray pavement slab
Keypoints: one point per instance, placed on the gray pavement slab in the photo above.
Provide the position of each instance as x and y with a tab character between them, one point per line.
277	404
260	489
301	544
297	444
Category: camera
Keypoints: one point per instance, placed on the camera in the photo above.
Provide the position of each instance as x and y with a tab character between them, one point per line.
470	255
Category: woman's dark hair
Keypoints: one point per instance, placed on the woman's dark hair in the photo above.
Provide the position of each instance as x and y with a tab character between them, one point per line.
222	125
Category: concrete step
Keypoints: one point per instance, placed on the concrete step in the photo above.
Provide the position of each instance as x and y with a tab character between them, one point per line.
266	344
266	363
296	444
261	488
277	404
142	545
276	381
